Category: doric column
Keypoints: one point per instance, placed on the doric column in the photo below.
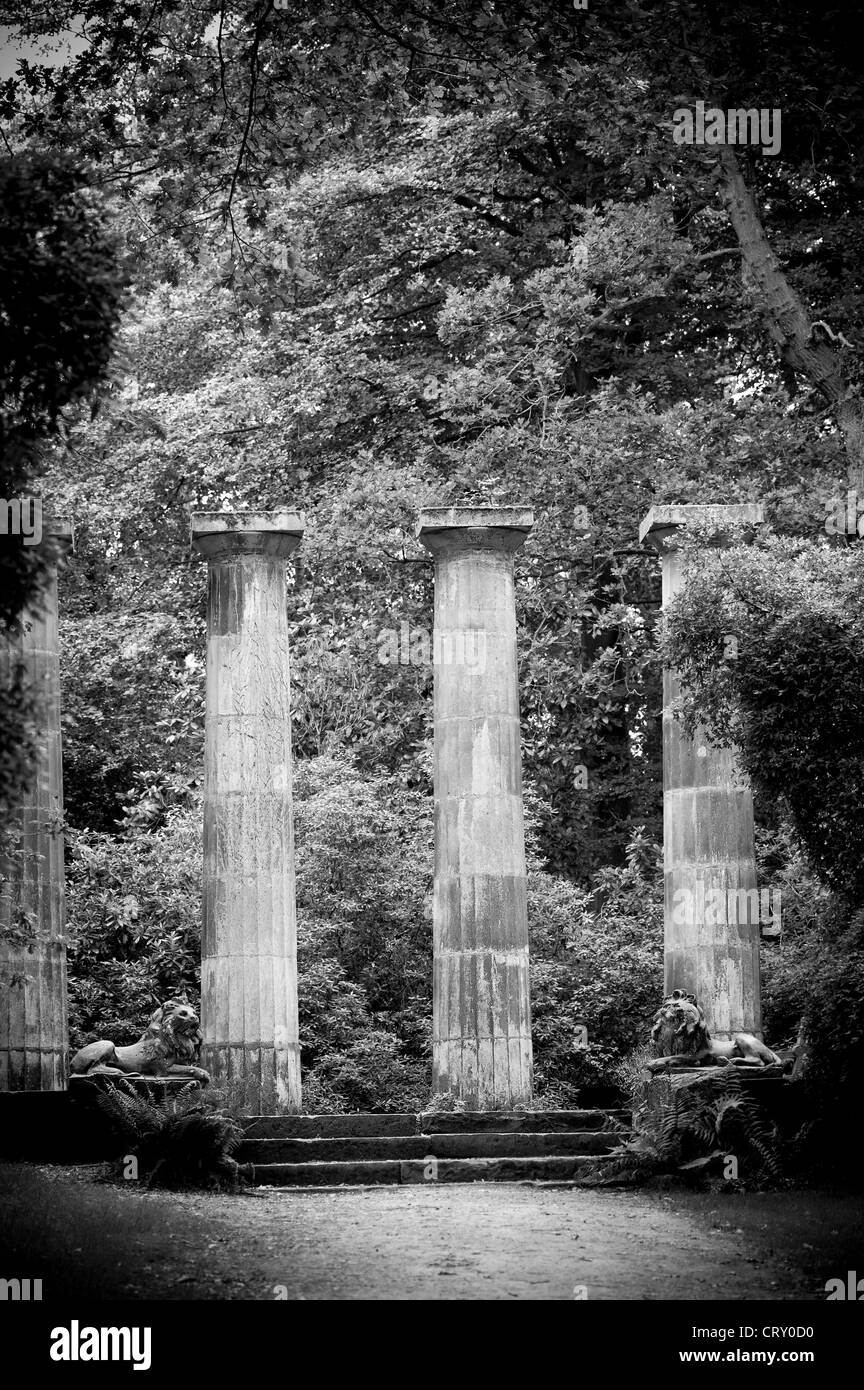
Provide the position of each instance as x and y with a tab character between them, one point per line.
711	912
34	1037
481	1001
249	938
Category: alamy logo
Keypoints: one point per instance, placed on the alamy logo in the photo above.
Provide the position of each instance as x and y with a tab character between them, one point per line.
413	647
734	127
712	907
845	518
20	1290
22	516
76	1343
852	1290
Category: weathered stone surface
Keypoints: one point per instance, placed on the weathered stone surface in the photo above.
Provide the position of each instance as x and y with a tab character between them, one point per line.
708	842
779	1099
481	1005
551	1169
482	1145
667	517
449	1170
249	945
529	1121
324	1174
33	1022
327	1126
72	1127
360	1125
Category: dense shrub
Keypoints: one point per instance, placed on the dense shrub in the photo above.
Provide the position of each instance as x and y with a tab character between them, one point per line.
792	698
364	879
134	922
605	971
768	644
813	991
60	302
363	872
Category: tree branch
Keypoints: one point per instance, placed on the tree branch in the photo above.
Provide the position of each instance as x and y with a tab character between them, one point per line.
250	110
464	201
786	317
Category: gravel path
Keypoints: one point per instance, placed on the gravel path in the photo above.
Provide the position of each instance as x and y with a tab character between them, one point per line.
455	1242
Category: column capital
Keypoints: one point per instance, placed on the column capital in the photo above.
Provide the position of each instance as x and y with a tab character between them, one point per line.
661	523
473	528
221	535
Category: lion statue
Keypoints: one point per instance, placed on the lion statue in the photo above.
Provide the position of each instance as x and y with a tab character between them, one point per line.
168	1047
680	1034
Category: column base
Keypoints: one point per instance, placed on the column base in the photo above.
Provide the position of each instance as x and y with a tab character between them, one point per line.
34	1053
26	1070
255	1080
486	1074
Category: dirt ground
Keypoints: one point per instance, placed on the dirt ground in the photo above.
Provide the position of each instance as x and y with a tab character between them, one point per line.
463	1242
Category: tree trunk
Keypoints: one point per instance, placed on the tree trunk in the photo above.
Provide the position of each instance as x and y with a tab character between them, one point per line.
787	318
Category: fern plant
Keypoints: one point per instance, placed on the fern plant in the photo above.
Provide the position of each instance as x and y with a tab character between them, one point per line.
693	1127
179	1141
715	1116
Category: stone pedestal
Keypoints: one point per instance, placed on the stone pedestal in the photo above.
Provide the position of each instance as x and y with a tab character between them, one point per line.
33	1023
711	912
481	1004
249	942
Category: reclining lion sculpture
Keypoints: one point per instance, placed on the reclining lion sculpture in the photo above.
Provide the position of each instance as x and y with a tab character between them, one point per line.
680	1034
168	1047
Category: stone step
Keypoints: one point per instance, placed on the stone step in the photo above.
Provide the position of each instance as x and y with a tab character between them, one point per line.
508	1122
556	1168
355	1126
429	1122
484	1145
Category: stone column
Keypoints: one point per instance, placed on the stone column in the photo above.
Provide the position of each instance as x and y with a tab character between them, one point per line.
249	939
481	1001
711	913
34	1038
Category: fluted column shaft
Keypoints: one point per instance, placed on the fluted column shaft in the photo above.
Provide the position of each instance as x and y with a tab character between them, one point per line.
481	999
34	1035
249	937
711	915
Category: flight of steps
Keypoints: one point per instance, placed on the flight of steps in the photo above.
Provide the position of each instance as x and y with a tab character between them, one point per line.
361	1149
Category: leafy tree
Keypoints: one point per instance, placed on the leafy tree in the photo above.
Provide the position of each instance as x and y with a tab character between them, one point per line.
790	699
444	253
508	274
790	696
598	963
134	912
60	300
364	854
